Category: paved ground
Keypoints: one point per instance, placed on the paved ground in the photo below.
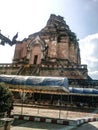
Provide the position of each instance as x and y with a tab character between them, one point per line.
88	126
28	125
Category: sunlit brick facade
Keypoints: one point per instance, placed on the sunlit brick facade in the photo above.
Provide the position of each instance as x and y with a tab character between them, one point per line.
54	47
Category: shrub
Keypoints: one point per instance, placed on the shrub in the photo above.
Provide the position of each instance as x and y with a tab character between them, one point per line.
6	99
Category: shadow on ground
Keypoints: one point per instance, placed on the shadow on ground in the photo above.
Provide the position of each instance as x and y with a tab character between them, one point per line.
29	125
88	126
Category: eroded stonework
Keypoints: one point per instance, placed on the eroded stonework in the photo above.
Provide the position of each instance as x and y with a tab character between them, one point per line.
55	49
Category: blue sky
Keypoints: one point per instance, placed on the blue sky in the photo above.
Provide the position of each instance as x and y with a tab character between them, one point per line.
30	16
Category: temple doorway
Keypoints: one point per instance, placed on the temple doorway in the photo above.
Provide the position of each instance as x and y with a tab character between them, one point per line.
35	59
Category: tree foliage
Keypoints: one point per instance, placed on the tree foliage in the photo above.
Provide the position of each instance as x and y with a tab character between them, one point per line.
6	98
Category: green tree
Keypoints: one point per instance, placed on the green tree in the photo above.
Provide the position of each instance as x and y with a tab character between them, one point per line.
6	99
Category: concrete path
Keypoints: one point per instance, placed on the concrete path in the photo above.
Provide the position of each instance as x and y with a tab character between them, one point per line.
88	126
28	125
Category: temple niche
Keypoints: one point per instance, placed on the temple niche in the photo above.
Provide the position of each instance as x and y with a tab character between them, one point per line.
55	49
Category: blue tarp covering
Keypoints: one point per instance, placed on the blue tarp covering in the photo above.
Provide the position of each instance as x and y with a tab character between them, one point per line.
83	90
55	83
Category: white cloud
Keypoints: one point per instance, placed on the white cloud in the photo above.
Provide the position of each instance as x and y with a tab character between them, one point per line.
95	0
89	54
6	53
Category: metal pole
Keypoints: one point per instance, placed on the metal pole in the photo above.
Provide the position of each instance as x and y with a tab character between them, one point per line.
60	106
22	104
22	100
38	103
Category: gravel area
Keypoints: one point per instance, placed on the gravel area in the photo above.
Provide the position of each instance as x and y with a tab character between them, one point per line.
62	114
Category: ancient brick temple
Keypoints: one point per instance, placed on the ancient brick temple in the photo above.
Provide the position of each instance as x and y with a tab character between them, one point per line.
53	51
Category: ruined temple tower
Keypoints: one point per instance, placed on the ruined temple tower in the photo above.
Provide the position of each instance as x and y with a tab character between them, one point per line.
53	51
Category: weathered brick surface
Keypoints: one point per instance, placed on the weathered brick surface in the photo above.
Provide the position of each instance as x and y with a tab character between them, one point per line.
55	40
63	50
54	35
